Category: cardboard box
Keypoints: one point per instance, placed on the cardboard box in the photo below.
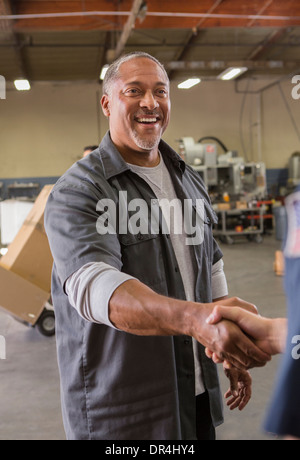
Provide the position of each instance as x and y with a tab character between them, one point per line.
21	298
25	271
224	206
241	205
29	254
279	263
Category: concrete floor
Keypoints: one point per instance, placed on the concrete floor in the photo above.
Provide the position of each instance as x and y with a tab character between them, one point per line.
29	382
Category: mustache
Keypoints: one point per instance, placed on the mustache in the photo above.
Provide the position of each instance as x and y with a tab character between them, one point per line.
153	113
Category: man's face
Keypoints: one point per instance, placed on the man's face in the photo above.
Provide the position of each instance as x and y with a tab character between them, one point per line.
138	106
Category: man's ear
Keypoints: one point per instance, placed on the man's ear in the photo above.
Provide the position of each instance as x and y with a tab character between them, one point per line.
105	105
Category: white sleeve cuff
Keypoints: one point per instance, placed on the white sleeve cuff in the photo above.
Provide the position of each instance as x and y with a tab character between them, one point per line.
219	282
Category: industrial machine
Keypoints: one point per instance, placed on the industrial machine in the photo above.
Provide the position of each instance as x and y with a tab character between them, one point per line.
237	188
226	173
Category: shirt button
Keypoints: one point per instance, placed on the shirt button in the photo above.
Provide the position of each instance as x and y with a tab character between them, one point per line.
176	269
186	342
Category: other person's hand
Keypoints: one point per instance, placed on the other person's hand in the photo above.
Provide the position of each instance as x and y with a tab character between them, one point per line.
268	334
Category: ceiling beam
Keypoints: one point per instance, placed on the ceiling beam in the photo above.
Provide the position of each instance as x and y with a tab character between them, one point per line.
100	14
271	40
127	29
7	29
193	36
262	10
6	26
222	65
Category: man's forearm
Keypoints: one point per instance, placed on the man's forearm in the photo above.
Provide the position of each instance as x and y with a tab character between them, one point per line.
136	309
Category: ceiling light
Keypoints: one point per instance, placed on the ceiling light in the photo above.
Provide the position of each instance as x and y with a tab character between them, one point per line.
103	71
22	85
232	72
189	83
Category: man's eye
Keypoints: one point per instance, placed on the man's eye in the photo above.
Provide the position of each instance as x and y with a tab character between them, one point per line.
162	92
132	91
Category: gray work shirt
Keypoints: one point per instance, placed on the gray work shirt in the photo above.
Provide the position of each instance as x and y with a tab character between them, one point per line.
116	385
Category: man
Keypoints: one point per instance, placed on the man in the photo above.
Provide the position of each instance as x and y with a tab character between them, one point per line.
131	303
279	335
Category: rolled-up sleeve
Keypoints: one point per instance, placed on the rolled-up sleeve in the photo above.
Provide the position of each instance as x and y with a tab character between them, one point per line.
219	282
90	289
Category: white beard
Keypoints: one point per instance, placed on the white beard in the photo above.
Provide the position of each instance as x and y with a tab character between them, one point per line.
144	144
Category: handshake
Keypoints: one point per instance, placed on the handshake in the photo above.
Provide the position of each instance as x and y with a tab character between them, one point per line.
243	338
237	336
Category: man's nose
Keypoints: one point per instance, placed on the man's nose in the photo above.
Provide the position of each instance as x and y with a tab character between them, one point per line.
149	101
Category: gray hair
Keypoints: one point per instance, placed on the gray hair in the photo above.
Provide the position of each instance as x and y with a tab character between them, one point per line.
113	72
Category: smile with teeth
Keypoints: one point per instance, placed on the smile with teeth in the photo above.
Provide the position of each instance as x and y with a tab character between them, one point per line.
147	120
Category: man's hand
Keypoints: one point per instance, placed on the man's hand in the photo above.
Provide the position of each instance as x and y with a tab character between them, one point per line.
240	390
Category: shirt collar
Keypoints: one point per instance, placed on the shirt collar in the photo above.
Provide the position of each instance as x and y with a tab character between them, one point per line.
114	164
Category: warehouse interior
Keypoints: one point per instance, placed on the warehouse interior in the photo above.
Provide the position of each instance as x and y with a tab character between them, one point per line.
241	134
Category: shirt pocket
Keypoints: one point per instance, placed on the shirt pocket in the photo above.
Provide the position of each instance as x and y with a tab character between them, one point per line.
142	258
199	223
210	220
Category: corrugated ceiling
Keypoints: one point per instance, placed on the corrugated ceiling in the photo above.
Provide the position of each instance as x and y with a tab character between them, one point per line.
72	40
